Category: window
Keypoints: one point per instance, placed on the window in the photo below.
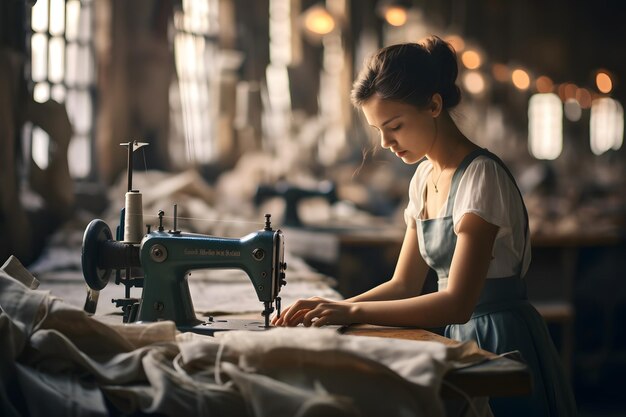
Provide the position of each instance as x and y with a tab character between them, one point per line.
62	69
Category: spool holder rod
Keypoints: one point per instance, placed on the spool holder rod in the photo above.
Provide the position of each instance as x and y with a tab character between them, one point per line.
132	147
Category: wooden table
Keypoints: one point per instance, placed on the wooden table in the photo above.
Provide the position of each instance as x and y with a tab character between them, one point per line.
496	376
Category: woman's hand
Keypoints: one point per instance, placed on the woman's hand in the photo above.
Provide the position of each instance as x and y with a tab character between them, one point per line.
317	312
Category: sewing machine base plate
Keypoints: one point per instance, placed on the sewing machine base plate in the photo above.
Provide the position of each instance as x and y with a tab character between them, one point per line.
214	325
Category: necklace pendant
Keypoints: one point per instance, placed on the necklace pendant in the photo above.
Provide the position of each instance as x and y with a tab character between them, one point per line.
436	189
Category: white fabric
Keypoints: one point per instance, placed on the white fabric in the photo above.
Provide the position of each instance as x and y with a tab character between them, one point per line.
486	190
61	361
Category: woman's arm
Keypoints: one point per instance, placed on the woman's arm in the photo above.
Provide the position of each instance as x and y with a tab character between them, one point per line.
408	277
470	263
468	270
407	281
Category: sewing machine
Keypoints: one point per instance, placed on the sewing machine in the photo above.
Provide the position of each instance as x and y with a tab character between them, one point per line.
159	261
292	195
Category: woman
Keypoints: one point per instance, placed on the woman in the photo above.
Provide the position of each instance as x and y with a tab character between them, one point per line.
466	218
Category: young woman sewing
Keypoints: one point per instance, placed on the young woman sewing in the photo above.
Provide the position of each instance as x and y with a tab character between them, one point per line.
465	219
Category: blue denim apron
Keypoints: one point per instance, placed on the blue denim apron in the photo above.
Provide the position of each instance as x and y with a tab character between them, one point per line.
503	319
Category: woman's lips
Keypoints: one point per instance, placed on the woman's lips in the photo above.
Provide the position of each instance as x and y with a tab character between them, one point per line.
400	154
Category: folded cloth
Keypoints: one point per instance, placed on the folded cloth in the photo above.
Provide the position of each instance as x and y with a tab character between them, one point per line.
57	360
15	269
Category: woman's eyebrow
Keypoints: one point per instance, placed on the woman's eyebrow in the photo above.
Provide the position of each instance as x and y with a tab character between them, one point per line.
389	120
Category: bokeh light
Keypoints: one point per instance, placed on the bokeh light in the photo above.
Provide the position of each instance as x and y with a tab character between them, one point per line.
520	79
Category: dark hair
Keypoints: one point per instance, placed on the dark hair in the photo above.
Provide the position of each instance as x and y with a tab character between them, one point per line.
411	73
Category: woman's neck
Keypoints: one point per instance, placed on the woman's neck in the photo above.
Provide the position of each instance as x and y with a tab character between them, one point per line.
450	146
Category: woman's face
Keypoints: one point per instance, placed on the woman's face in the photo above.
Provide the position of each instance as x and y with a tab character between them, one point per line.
404	129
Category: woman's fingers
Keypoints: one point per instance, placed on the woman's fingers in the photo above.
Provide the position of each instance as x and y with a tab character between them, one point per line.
287	316
296	319
305	312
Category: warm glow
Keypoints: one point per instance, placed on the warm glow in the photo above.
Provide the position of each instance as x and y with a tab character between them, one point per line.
569	91
456	41
474	82
471	59
520	79
500	72
583	96
396	15
604	82
544	84
545	126
319	21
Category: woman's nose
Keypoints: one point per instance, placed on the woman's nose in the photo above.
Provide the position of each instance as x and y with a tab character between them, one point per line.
386	141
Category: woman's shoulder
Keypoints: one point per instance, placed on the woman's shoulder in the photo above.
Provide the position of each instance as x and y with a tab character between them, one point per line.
484	170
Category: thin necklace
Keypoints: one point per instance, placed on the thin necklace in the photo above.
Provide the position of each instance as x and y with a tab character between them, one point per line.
438	177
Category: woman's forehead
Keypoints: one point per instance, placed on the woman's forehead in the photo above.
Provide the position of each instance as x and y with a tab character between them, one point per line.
378	110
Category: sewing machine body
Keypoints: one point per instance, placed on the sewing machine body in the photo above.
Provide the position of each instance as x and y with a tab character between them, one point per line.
168	257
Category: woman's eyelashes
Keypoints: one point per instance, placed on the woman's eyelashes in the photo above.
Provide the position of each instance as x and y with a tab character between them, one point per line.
396	128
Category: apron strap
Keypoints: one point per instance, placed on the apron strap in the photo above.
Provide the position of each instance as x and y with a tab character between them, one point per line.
456	179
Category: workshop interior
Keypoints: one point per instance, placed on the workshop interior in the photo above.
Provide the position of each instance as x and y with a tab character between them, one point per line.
200	162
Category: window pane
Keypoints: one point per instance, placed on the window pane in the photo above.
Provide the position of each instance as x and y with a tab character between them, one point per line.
41	92
39	57
78	157
84	66
84	27
58	93
39	16
57	17
71	64
79	110
56	59
72	10
41	144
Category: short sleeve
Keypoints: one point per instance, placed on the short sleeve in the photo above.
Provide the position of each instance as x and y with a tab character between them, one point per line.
487	191
416	191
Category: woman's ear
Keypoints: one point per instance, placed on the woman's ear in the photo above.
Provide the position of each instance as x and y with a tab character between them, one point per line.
436	105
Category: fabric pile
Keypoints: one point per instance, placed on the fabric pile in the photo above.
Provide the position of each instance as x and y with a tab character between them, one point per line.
57	360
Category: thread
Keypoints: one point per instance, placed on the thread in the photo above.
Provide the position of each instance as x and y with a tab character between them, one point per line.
133	218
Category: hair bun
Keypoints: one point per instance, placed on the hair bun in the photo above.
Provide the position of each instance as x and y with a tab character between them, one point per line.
445	65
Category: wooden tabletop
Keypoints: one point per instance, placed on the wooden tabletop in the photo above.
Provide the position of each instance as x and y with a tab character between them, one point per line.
495	376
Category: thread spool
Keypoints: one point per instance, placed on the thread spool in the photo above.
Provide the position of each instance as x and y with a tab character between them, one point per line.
133	218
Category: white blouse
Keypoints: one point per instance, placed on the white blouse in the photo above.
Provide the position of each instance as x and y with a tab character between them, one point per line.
486	190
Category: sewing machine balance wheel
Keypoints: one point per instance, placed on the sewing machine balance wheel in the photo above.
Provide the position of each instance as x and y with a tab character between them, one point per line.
96	233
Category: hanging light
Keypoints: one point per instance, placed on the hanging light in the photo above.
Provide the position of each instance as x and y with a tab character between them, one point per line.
606	127
545	126
395	15
317	20
544	84
520	79
471	59
456	41
604	82
474	82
